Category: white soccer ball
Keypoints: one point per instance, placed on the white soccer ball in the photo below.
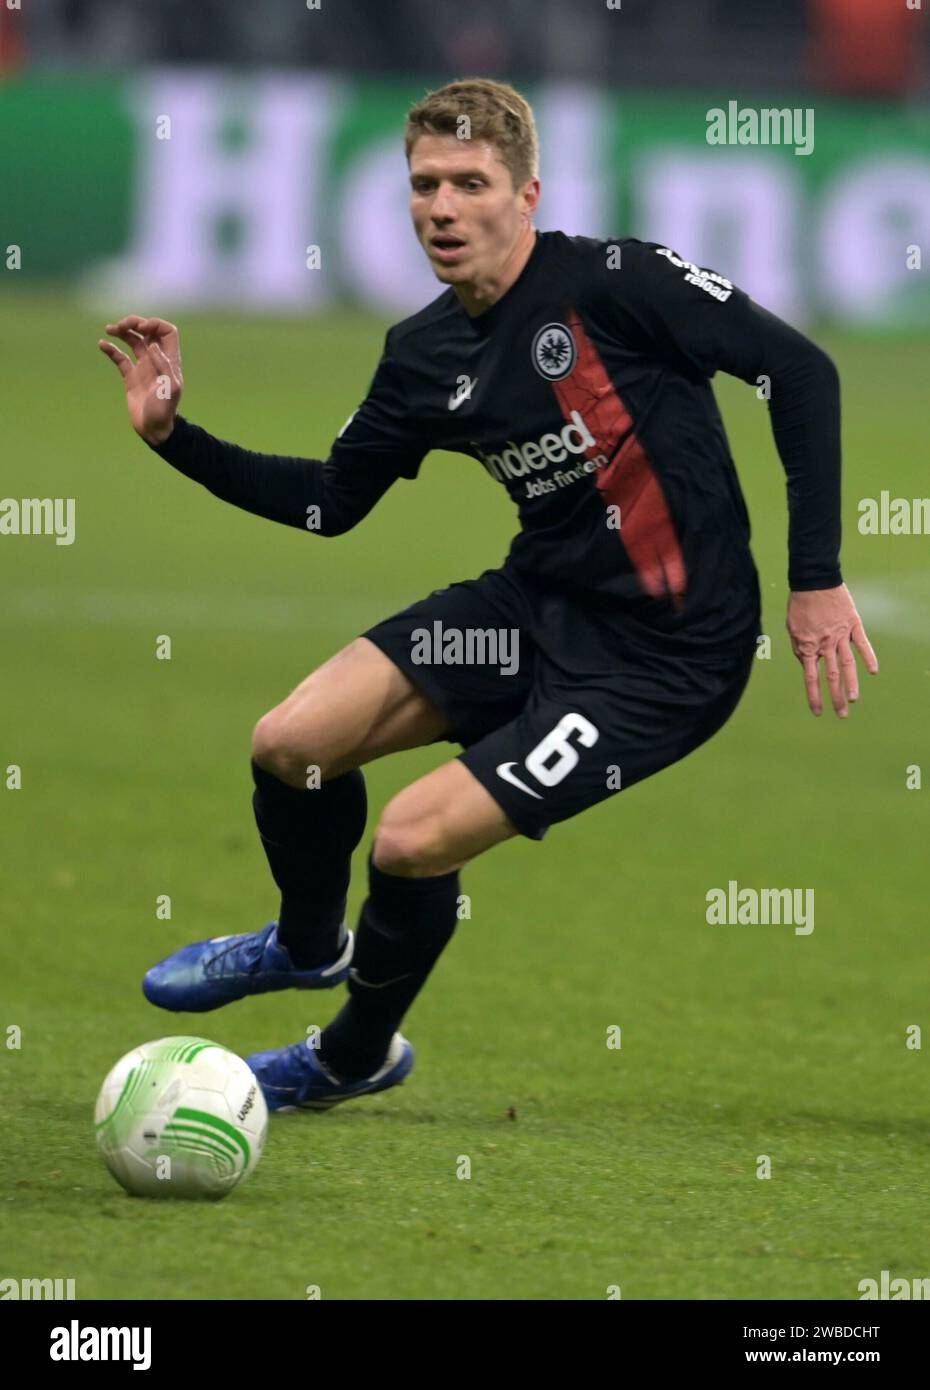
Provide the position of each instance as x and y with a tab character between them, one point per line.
180	1117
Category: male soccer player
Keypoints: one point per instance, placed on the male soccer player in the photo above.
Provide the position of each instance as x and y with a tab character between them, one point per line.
617	635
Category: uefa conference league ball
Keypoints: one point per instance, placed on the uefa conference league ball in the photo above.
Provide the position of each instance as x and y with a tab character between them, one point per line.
180	1117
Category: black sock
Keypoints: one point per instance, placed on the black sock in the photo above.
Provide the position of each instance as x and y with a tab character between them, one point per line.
308	836
404	925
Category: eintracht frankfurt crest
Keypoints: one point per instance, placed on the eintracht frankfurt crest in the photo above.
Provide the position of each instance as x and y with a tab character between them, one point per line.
553	351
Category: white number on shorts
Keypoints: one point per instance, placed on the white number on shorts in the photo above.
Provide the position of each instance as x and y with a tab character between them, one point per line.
558	742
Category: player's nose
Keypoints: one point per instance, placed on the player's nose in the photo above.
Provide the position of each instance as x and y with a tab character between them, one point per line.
442	211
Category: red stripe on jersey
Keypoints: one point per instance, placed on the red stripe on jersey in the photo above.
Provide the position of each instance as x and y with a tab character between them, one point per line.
628	480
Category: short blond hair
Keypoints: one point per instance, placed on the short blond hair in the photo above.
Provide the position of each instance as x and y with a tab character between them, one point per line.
496	113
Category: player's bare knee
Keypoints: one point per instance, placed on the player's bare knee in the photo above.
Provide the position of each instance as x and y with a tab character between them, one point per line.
396	851
274	749
408	848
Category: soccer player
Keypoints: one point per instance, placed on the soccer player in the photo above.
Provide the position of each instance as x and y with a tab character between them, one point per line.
618	634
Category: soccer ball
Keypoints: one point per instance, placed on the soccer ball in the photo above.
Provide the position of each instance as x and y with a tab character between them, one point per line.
180	1117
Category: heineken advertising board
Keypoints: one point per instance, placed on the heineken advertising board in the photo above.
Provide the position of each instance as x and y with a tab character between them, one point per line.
285	191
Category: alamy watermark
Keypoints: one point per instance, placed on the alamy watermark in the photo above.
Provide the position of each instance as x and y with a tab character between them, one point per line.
749	125
735	906
884	1287
470	646
33	1290
885	515
38	516
77	1343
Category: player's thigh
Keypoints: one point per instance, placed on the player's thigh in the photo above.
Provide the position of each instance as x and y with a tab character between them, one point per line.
356	707
438	823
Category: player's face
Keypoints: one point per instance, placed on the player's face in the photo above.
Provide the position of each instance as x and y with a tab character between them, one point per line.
467	214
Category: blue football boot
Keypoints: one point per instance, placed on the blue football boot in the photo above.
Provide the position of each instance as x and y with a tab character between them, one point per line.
296	1078
212	973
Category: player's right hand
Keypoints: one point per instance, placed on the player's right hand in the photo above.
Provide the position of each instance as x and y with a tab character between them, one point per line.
825	626
153	380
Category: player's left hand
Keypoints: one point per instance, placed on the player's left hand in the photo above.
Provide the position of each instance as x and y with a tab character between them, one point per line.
824	625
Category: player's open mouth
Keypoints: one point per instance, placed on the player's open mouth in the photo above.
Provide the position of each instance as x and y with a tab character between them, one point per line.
446	247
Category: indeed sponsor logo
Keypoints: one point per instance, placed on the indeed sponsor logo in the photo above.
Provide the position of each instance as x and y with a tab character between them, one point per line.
563	477
516	460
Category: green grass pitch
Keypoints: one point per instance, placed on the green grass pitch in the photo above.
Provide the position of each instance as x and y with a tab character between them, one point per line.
590	1167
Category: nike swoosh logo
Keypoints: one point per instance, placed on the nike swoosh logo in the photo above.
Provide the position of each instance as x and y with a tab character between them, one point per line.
503	770
459	398
371	984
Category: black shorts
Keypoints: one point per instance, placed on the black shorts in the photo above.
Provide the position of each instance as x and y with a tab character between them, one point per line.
555	704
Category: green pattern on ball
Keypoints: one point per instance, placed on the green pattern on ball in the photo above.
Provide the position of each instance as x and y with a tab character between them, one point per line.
220	1131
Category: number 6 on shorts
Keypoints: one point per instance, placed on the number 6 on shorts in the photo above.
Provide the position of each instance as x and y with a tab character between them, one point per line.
558	742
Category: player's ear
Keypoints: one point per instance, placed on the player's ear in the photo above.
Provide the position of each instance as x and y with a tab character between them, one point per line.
530	195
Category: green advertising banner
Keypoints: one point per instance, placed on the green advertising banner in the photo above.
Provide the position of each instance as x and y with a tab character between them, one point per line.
287	192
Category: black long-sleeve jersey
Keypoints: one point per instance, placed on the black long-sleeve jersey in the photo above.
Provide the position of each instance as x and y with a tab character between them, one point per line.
585	391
